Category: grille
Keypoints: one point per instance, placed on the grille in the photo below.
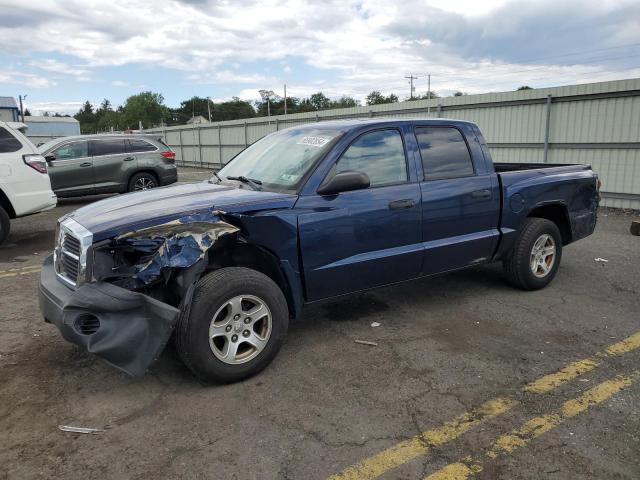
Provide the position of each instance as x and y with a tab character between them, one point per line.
70	257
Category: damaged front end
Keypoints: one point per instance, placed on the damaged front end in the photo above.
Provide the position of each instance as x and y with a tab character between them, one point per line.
136	285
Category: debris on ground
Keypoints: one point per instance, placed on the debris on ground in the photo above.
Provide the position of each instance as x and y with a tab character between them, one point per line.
375	324
601	260
635	228
364	342
68	428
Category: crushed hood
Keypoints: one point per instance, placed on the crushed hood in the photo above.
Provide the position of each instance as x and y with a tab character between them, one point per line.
135	211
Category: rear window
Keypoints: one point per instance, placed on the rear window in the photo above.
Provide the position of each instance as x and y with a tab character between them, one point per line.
8	143
110	146
137	145
444	153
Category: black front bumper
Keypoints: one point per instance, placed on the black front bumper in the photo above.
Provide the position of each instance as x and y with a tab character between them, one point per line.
127	329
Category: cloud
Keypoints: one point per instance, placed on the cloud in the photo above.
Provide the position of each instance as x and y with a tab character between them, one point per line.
62	69
28	79
354	45
63	108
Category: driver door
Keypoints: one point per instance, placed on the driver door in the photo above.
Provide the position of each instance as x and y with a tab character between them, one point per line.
71	171
366	238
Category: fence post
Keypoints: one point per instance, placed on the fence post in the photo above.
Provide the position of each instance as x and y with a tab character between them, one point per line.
246	141
199	146
181	147
220	146
439	110
547	123
277	127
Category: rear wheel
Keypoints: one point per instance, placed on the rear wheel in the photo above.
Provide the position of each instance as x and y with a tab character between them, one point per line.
5	225
234	327
142	181
536	254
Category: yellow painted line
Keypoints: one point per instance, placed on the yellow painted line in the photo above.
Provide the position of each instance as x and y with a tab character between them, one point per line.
374	466
420	444
536	427
14	272
573	370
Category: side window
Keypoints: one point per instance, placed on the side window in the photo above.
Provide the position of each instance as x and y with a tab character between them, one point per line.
136	145
379	154
8	143
71	150
110	146
444	153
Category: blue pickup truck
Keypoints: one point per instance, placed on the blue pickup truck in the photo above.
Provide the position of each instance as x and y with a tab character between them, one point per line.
303	215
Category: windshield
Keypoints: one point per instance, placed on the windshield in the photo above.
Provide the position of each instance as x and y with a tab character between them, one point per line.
281	160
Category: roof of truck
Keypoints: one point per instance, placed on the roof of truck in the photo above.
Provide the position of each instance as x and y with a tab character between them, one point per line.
358	122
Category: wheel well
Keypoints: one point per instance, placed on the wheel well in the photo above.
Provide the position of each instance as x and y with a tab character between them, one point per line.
6	204
256	258
558	215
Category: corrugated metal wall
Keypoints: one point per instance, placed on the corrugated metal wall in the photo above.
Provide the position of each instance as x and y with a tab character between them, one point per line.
594	123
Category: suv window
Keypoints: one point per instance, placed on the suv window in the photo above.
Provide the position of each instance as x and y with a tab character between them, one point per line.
8	143
108	146
71	150
136	145
444	153
379	154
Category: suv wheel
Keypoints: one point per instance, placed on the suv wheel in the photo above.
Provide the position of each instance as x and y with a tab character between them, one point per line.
536	254
235	325
5	225
142	181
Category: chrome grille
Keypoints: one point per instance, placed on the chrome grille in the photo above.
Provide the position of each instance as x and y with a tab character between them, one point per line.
70	255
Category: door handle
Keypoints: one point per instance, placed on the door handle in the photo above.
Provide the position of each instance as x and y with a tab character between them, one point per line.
485	193
402	204
128	159
85	164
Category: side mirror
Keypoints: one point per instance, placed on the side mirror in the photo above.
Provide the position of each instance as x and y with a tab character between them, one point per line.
50	158
344	182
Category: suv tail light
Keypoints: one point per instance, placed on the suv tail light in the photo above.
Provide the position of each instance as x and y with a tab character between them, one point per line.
169	154
35	161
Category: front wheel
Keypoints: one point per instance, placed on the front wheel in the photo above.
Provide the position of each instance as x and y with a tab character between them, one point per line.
235	325
535	256
5	225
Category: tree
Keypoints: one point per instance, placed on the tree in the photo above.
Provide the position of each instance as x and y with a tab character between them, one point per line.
27	113
85	116
459	93
319	101
429	95
344	102
524	87
377	98
146	108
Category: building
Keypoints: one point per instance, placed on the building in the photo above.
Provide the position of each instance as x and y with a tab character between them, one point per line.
9	111
43	129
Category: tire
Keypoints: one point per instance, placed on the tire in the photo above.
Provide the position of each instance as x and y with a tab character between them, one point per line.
202	336
528	269
142	181
5	225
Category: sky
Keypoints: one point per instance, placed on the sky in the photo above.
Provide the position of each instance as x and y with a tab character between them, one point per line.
61	53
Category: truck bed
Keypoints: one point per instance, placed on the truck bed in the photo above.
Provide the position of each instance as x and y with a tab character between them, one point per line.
512	167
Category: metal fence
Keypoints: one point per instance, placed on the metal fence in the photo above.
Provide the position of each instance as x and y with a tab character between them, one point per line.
593	123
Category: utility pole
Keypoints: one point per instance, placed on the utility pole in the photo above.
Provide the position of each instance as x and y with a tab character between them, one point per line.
411	79
428	93
21	109
285	98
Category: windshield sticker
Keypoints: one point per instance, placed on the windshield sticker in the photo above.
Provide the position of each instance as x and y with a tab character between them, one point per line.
314	141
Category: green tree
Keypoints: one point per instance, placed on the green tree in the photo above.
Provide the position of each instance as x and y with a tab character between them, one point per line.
147	108
524	87
344	102
319	101
459	93
86	116
27	113
377	98
429	95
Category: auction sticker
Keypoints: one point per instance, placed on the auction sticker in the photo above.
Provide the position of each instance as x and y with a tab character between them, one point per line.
314	141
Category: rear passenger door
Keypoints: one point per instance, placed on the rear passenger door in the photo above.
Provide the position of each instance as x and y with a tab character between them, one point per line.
460	207
145	153
71	169
112	165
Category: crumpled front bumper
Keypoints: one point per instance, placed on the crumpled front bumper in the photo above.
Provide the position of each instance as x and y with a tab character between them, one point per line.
127	329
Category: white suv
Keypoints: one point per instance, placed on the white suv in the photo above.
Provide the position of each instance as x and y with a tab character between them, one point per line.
24	183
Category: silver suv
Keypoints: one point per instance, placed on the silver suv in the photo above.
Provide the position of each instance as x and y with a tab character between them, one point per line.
108	163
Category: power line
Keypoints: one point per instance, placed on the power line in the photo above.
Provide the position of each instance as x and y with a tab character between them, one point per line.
411	79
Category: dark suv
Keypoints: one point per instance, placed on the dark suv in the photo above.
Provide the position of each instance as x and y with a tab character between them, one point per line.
108	163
